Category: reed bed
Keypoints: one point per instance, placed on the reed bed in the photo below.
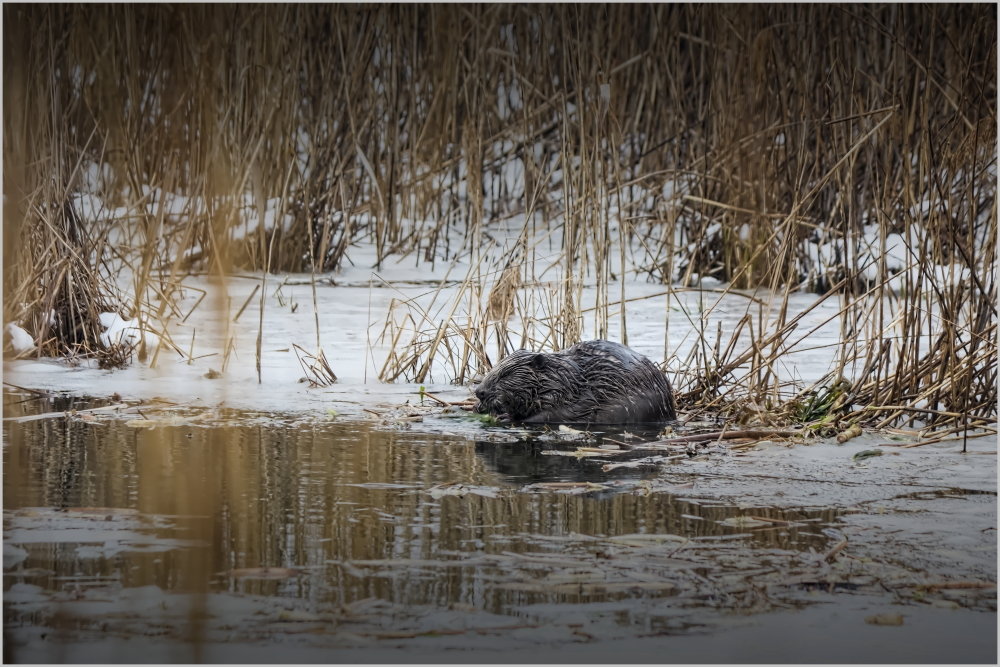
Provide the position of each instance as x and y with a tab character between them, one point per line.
845	150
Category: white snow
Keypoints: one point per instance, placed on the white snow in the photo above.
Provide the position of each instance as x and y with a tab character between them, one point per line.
20	340
91	208
250	219
119	331
357	313
356	317
605	92
97	177
355	332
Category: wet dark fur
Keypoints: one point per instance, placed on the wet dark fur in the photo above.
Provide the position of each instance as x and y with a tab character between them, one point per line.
596	382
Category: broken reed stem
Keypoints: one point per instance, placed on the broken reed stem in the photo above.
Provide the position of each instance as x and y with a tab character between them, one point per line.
246	303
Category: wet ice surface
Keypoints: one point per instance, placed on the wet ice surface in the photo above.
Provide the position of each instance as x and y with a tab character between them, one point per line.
320	538
216	338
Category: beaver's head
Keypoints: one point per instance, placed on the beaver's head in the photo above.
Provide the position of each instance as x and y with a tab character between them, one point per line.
508	391
524	384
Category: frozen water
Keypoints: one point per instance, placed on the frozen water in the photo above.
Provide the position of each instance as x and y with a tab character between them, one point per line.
347	320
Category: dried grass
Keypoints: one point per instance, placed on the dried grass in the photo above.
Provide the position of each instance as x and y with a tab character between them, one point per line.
712	140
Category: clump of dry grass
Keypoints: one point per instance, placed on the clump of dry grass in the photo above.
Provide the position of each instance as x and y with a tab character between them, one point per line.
317	369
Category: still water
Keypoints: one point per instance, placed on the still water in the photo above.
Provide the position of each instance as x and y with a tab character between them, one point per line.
353	533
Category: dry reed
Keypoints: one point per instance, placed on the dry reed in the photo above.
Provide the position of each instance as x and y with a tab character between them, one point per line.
758	145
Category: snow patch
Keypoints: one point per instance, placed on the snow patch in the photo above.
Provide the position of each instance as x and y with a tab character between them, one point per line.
20	340
120	331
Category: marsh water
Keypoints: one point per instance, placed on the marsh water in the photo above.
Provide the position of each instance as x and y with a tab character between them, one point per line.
168	534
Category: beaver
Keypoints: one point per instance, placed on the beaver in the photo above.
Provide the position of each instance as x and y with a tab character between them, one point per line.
595	382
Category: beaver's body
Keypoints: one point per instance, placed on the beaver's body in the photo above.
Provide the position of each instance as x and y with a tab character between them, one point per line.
596	382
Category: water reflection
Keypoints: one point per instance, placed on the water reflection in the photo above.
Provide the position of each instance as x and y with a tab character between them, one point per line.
203	502
524	461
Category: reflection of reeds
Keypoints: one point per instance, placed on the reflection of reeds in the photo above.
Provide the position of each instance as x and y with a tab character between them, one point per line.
332	501
734	142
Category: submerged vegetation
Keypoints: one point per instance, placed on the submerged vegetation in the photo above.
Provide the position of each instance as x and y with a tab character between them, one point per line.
848	151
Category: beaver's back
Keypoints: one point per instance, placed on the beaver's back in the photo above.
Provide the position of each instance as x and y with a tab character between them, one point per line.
616	385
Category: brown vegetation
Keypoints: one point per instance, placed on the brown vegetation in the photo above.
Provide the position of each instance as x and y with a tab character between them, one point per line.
724	141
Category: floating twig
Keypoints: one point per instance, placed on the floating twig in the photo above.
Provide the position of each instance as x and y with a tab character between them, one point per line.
722	435
832	553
